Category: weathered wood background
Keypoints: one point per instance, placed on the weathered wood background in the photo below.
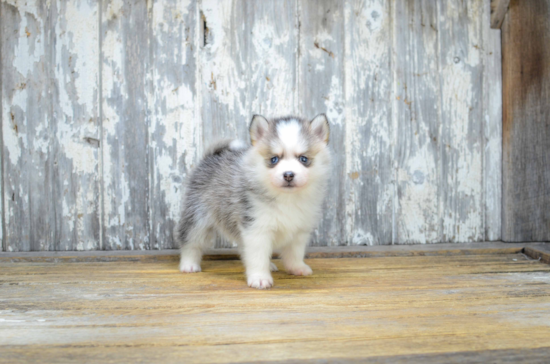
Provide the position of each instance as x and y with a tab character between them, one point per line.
526	121
107	105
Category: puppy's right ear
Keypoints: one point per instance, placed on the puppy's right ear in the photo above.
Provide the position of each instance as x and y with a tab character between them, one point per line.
258	128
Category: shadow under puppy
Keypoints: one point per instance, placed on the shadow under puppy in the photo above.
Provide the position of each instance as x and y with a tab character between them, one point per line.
266	197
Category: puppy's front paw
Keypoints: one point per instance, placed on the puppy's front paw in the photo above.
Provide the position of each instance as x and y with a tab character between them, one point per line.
189	267
260	281
300	270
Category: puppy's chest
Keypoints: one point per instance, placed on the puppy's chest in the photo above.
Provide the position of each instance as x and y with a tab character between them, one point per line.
288	218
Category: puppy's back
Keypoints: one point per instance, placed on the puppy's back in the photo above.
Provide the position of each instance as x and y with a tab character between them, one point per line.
216	189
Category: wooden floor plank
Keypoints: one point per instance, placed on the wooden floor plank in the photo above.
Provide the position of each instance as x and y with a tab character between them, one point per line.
385	309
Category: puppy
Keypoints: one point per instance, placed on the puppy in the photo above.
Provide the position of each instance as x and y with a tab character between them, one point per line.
266	197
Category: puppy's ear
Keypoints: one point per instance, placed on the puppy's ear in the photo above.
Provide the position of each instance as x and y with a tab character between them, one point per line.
320	127
258	128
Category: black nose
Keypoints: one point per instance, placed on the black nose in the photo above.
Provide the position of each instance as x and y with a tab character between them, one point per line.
289	176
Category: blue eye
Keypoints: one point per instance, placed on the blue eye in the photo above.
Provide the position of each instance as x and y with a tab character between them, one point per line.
274	160
303	159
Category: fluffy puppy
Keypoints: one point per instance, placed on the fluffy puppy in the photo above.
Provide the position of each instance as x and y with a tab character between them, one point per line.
266	197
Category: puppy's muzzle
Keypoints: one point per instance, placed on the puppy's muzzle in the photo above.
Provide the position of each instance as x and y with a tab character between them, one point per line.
289	176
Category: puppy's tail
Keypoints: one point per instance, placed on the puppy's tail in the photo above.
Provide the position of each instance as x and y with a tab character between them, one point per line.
223	145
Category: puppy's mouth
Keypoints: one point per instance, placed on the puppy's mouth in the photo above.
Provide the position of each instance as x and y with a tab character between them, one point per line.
289	186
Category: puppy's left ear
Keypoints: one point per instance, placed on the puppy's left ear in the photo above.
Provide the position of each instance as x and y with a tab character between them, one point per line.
258	128
320	127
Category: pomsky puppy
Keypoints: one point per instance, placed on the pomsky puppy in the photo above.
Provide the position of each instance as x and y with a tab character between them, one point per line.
265	197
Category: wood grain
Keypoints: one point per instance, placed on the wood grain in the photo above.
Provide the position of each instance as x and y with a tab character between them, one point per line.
224	74
106	107
125	66
27	127
526	122
174	131
539	252
498	12
75	144
416	110
369	133
461	142
321	89
492	129
361	251
349	309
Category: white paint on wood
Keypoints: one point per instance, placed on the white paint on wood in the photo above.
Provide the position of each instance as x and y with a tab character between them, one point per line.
173	133
417	120
125	70
412	91
76	116
369	134
26	125
460	70
492	128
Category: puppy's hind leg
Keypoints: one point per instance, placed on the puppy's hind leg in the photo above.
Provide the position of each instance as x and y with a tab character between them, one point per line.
193	240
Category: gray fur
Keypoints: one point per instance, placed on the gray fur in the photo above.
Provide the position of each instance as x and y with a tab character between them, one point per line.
217	195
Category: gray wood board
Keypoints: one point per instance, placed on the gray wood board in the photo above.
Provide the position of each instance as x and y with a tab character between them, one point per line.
461	141
417	113
26	116
50	125
320	85
174	131
492	128
526	121
125	66
107	107
370	191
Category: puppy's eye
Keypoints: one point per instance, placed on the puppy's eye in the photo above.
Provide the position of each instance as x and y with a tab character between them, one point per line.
274	160
303	159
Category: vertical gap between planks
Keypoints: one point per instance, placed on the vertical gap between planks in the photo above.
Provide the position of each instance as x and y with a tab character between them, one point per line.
149	94
2	205
56	234
345	121
150	160
149	111
394	164
100	124
297	88
484	140
504	78
440	117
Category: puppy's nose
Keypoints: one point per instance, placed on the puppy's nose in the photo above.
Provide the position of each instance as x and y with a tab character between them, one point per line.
289	176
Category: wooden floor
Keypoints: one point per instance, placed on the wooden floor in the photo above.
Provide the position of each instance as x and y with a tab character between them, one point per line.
464	308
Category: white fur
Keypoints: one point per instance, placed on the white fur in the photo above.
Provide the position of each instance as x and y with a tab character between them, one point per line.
237	145
286	222
289	134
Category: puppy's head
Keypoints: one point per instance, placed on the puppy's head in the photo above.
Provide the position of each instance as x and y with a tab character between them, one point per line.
292	151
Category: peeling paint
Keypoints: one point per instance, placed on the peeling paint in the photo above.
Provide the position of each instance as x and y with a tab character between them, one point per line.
415	128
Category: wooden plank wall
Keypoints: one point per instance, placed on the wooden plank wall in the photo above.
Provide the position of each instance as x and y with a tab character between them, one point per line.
526	121
106	107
